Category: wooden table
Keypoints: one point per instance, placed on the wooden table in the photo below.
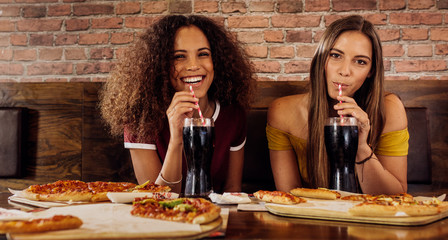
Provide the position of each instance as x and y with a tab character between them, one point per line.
264	225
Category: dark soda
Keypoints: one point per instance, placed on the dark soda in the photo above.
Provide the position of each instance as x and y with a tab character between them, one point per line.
341	143
198	149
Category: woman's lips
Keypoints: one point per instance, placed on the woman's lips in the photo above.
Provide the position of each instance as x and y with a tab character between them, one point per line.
192	80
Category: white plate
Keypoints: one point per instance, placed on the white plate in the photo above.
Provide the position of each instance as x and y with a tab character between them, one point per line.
128	197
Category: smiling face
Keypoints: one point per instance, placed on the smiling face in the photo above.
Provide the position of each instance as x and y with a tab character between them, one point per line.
349	63
193	64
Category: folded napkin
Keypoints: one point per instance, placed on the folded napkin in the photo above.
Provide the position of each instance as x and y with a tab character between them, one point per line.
229	198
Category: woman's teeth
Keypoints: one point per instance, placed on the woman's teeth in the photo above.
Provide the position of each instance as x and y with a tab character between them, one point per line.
192	79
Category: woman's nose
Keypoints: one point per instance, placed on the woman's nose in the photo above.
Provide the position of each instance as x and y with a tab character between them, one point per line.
192	65
344	69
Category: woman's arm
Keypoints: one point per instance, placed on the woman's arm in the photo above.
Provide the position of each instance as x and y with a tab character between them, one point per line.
287	114
285	170
235	172
380	174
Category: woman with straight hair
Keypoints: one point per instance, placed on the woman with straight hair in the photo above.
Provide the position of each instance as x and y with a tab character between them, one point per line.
349	55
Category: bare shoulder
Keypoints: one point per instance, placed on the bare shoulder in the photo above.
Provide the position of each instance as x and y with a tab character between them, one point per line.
395	114
286	113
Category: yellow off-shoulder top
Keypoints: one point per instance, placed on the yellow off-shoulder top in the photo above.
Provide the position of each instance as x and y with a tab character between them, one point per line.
391	144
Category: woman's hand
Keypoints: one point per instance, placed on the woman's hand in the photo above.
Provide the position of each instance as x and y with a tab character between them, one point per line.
348	107
181	107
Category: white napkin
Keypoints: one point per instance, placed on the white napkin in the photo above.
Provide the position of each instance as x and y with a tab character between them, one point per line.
230	198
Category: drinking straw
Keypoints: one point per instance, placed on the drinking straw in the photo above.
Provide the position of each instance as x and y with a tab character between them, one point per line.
340	94
197	104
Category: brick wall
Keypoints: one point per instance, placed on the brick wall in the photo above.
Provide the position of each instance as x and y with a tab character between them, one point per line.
78	40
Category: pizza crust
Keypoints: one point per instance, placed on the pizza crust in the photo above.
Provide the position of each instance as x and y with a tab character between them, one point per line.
278	197
57	222
319	193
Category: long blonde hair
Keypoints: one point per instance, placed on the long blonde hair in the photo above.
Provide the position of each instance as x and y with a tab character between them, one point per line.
370	96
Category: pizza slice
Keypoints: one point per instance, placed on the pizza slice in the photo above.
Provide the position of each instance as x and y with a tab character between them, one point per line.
188	210
320	193
149	186
279	197
57	222
62	190
100	189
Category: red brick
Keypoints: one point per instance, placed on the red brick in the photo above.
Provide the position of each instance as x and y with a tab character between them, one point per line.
292	21
50	54
101	53
77	24
256	51
318	35
120	52
267	66
414	34
99	79
93	68
393	50
439	34
289	78
10	11
420	50
50	69
107	23
5	54
376	19
92	9
127	8
19	40
34	11
59	10
11	69
31	79
348	5
75	54
273	36
233	7
263	6
441	49
39	25
93	38
79	79
7	26
248	22
122	38
181	7
389	34
56	80
155	7
299	36
139	22
41	40
442	4
282	52
317	5
289	6
329	19
6	80
415	18
420	4
206	6
250	37
396	78
264	79
4	40
428	78
420	65
392	5
66	39
387	65
297	67
305	50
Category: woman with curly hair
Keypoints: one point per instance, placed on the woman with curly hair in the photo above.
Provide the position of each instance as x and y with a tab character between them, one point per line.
349	54
147	98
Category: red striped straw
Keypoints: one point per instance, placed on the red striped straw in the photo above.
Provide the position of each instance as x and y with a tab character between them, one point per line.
340	94
197	104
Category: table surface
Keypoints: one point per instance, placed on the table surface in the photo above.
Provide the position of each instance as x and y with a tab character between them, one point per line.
264	225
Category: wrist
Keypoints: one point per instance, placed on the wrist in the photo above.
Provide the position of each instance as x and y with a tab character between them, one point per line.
364	155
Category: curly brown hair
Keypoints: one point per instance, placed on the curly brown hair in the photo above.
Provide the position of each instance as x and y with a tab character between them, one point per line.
138	92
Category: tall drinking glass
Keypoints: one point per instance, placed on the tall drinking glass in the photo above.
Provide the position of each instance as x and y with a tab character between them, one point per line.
341	142
198	139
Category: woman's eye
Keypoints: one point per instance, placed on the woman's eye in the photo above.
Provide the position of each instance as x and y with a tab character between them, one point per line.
204	54
179	56
361	62
335	55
